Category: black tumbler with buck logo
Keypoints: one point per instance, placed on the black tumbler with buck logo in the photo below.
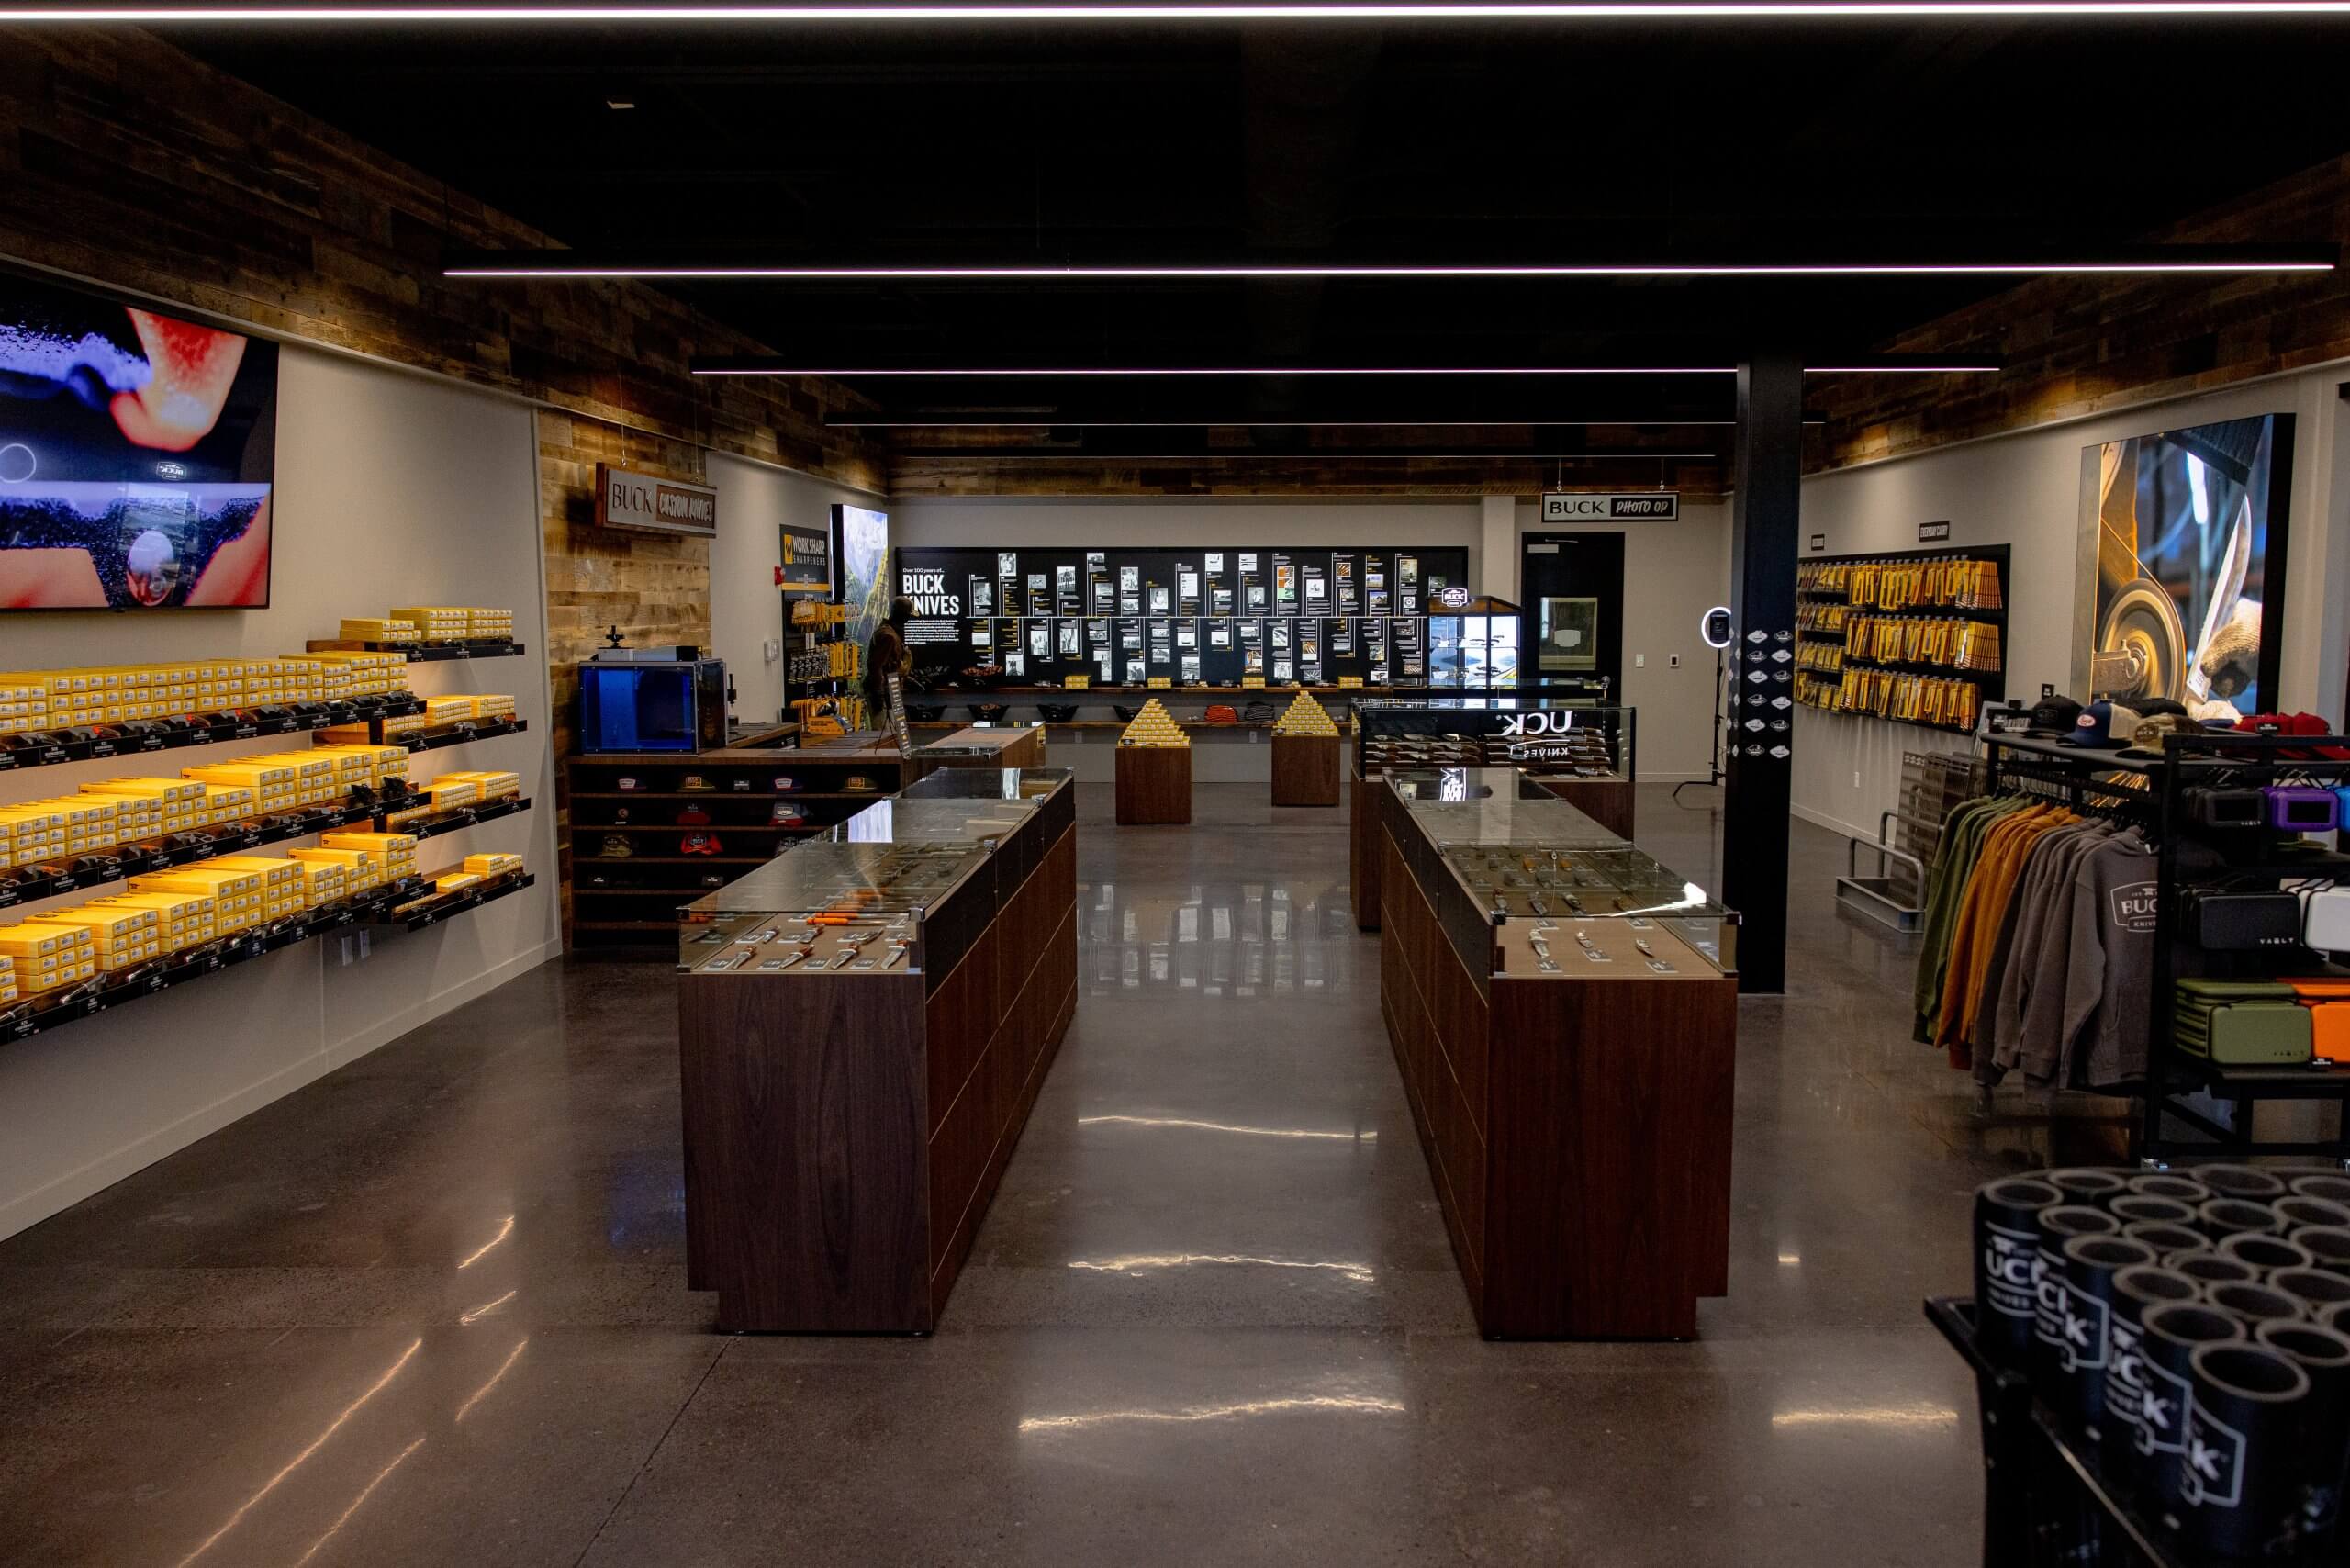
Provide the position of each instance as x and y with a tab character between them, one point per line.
2239	1473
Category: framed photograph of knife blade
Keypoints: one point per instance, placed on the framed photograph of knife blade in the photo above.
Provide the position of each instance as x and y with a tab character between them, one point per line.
2183	550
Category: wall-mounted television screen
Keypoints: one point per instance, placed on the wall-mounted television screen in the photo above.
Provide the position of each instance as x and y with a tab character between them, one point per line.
137	454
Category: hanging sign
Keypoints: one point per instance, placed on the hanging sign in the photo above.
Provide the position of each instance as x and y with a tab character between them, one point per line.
1648	506
625	498
806	564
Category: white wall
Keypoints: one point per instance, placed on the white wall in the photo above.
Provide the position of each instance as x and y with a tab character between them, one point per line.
745	608
1149	523
1673	573
392	490
2024	490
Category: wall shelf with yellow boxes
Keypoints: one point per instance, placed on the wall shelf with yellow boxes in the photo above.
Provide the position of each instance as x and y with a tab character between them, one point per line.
207	730
409	904
162	856
456	820
139	859
435	907
1913	637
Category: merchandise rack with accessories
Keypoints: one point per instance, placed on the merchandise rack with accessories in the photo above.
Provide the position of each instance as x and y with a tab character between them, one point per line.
821	664
2046	1499
1847	603
629	803
2151	793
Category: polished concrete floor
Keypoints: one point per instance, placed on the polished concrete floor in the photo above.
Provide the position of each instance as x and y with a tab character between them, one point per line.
433	1309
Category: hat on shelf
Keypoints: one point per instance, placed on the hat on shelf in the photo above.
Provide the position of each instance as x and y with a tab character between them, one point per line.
2296	724
2100	723
2146	738
616	847
2053	716
2150	707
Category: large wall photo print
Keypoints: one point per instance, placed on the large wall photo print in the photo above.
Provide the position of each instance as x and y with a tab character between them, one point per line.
137	454
2186	596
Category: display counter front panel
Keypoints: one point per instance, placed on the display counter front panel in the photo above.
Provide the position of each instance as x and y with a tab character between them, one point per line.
863	1027
1569	1072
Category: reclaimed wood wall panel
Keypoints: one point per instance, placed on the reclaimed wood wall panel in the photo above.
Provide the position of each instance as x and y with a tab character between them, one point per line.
126	161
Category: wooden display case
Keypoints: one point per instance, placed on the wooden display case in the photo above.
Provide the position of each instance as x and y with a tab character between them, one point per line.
633	800
973	747
1154	785
1305	770
1571	1081
846	1126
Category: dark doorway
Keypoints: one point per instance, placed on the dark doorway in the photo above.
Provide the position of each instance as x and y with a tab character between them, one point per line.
1571	623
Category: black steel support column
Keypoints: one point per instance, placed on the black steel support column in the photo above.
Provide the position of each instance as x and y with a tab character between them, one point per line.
1762	713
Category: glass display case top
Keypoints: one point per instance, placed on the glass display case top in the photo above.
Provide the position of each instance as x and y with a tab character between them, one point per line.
1556	880
988	783
867	877
1504	817
1463	784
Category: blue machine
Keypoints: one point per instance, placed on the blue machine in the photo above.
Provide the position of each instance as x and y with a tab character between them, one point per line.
643	702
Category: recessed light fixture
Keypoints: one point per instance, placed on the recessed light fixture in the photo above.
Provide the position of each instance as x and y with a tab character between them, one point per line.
1292	11
756	368
552	264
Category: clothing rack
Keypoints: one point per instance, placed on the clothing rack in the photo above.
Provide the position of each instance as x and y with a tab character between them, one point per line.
2219	759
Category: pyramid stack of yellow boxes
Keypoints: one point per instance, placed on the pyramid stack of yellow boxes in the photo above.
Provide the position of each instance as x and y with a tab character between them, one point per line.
1305	717
1154	726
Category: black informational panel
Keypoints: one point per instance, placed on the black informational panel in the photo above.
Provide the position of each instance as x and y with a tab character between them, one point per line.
1196	615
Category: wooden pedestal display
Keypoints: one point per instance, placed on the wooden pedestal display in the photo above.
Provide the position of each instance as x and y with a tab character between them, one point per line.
1577	1124
1305	770
1607	802
1154	785
845	1131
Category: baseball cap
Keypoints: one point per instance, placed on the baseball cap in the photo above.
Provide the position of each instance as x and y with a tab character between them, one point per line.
2295	724
2053	716
2098	723
2146	739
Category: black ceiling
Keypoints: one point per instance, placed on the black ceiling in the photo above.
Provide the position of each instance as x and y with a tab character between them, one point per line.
1457	142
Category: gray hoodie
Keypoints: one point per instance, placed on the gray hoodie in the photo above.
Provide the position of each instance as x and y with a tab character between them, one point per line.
2108	998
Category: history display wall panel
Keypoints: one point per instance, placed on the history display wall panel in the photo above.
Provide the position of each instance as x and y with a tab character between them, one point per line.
1183	617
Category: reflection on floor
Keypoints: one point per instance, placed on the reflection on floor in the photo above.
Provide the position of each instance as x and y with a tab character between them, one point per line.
432	1309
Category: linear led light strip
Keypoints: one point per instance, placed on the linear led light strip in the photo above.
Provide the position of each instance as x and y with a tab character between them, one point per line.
1956	369
1397	10
1082	274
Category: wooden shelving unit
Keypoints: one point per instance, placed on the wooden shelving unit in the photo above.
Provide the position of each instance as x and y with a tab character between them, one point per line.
632	900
